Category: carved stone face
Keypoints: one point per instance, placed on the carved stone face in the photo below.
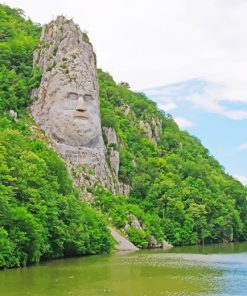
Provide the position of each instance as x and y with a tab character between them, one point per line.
67	107
74	117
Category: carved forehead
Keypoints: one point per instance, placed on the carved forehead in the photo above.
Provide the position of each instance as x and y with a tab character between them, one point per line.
58	92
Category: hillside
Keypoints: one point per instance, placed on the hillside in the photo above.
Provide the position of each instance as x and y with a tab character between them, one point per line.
157	182
170	172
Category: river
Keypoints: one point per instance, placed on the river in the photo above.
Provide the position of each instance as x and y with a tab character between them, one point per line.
209	270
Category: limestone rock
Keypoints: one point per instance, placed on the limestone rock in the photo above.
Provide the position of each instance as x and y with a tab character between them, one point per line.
122	243
34	94
111	146
157	128
67	103
126	109
72	79
111	136
114	160
135	222
147	129
13	114
154	244
125	189
166	245
152	130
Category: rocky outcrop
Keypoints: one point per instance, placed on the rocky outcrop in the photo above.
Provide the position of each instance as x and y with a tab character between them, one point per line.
13	114
156	124
125	109
152	130
114	160
147	129
112	144
66	105
122	244
166	245
110	135
134	222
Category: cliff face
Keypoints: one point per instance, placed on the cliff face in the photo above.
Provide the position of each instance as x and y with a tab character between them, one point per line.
66	105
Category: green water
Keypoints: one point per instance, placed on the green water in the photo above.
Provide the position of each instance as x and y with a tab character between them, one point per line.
212	270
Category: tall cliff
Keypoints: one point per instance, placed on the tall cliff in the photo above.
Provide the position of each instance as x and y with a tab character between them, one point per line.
66	105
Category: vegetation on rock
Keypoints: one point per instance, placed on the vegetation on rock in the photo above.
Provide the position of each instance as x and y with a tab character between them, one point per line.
178	190
176	179
41	216
123	214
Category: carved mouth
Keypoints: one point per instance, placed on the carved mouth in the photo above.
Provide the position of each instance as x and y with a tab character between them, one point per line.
81	114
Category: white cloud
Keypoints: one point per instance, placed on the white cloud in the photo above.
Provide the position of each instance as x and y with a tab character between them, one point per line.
208	102
242	147
183	122
203	94
242	179
167	107
148	43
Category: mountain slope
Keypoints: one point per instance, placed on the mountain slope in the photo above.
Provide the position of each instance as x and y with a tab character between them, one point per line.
178	191
171	174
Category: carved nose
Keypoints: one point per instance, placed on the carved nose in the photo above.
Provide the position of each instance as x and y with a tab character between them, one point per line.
80	104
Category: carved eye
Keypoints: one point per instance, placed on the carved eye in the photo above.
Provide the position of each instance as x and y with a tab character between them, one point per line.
88	97
71	101
72	96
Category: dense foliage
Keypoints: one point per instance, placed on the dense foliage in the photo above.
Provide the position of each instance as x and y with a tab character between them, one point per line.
142	228
18	38
179	192
41	216
176	178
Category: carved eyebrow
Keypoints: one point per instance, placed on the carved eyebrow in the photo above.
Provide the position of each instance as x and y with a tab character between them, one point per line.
87	96
72	95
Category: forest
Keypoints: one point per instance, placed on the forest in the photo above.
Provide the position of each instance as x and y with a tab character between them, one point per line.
179	192
41	215
176	179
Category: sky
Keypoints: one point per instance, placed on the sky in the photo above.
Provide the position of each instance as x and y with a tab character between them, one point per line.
190	56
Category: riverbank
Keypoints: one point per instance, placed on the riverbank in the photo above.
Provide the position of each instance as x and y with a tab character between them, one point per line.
196	270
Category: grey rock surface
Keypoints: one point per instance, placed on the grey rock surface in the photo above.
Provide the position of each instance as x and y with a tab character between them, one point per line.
111	145
123	244
114	160
152	130
13	114
66	105
147	129
166	245
111	136
135	222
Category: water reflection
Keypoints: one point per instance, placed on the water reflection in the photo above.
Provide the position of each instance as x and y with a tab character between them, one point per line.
211	270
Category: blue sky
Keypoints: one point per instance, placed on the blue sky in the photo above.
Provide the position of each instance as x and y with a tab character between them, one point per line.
225	135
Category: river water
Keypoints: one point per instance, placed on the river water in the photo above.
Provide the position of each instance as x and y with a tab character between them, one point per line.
210	270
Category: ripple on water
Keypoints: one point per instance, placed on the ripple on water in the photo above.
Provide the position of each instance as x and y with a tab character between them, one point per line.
224	274
143	273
